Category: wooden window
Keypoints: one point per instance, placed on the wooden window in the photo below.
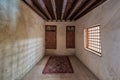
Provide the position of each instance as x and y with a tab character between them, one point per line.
92	40
50	36
70	36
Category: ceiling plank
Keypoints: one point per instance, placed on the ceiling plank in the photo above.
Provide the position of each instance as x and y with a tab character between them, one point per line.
59	5
49	7
91	8
78	5
31	5
86	6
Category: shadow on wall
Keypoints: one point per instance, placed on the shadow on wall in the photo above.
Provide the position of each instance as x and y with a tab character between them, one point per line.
21	39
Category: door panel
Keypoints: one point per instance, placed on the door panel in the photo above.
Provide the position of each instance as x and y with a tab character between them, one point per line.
70	37
50	37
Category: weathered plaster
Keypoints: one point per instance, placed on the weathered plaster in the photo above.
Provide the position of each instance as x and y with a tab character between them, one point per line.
107	15
21	39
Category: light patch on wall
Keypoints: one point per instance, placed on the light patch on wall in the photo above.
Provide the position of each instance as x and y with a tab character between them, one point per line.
14	9
3	16
8	13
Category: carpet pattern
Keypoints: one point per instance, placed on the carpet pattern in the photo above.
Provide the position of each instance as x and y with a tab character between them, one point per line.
58	64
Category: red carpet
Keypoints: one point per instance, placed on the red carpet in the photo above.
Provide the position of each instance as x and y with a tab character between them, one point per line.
58	64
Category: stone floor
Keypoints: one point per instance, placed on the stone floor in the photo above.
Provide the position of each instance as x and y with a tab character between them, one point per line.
80	72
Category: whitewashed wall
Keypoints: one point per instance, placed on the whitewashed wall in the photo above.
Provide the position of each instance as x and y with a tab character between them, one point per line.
107	15
61	39
21	39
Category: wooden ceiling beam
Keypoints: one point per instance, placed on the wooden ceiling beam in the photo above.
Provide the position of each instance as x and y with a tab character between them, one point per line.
78	5
68	6
44	8
97	3
33	7
38	6
49	7
64	7
79	9
54	8
71	7
85	7
41	6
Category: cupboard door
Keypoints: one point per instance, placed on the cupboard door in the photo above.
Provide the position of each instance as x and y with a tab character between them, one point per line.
50	37
70	37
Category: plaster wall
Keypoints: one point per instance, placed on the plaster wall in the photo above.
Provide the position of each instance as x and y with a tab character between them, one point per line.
21	39
107	15
61	39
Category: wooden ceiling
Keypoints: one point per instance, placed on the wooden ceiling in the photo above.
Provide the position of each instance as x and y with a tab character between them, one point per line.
62	9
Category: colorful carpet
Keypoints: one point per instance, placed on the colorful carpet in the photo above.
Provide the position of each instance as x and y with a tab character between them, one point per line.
58	64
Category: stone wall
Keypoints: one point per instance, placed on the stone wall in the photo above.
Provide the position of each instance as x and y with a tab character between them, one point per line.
107	15
21	39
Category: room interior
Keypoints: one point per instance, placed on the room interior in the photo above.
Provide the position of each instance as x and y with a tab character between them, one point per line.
34	31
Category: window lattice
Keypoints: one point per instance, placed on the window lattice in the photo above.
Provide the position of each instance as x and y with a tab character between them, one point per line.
93	39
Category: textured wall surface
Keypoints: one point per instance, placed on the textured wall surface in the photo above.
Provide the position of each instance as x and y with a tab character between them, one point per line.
61	39
21	39
107	15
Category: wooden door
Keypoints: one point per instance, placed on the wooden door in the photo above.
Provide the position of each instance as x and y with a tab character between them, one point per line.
70	37
50	37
